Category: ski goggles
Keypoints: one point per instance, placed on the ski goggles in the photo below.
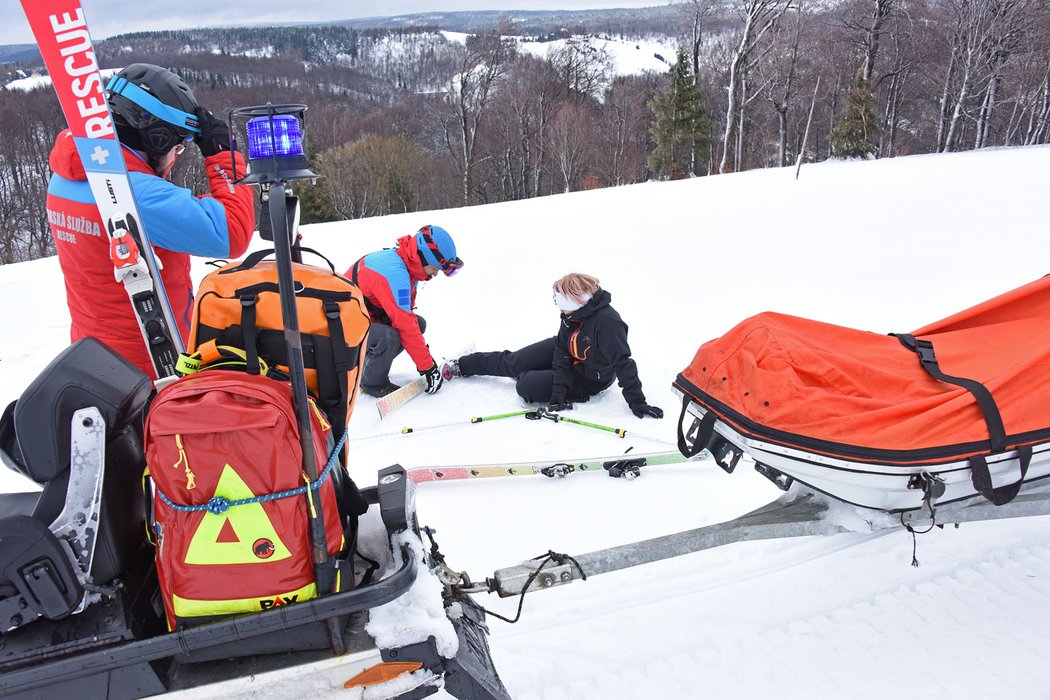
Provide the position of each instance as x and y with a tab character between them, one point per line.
449	267
149	108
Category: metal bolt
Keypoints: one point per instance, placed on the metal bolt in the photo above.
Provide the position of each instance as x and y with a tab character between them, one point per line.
16	621
546	580
566	577
88	422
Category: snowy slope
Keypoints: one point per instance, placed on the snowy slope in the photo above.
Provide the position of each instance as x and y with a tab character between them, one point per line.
884	246
627	56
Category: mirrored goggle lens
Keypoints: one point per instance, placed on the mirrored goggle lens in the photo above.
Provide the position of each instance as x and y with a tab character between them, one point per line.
451	267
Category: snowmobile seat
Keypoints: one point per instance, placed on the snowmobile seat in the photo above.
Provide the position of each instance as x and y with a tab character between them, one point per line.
39	555
36	572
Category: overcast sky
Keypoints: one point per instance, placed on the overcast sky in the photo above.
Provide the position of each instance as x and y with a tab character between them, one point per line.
108	17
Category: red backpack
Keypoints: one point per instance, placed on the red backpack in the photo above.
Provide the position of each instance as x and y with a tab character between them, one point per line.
230	508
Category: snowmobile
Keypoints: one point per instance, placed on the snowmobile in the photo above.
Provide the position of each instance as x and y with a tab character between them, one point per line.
82	608
79	601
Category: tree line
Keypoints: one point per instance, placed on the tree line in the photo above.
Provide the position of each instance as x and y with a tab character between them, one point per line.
403	120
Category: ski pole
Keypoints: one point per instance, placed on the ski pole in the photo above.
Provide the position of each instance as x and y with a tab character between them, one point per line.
541	413
408	429
498	416
619	432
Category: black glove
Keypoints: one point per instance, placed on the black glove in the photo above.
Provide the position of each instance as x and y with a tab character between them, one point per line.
434	379
560	405
641	410
215	135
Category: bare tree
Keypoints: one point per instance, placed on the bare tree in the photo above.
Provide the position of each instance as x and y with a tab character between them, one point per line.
569	142
583	66
697	13
483	64
972	25
784	80
1009	21
624	127
759	17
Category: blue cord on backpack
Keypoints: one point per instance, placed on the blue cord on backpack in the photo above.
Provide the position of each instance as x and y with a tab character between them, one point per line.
218	505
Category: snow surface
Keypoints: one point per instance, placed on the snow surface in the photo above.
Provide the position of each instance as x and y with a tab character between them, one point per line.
628	56
38	80
885	245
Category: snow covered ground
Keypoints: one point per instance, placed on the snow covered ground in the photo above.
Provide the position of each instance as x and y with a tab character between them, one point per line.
626	56
883	245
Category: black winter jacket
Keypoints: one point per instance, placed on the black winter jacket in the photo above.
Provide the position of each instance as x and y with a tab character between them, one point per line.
591	350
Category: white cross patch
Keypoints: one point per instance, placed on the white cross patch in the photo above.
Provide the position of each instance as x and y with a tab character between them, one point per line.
100	155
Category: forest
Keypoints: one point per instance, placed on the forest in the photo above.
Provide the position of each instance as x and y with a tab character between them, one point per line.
413	118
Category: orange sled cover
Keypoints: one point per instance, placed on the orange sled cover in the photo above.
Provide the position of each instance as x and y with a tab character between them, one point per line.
867	397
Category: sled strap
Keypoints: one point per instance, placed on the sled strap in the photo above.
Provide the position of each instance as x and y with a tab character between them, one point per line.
691	441
992	418
982	478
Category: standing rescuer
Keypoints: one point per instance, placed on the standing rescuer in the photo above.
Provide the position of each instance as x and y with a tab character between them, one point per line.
155	115
388	280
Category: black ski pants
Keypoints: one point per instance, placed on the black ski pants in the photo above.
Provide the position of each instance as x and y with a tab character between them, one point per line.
531	366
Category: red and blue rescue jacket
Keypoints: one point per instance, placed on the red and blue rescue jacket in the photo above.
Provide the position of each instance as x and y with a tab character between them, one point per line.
388	280
178	223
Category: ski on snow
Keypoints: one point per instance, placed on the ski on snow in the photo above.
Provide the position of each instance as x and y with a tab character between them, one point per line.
62	35
396	399
626	466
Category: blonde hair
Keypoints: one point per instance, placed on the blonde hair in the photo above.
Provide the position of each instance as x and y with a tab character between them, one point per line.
576	285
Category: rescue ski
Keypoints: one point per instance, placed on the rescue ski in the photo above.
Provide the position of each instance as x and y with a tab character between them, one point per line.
396	399
61	33
627	466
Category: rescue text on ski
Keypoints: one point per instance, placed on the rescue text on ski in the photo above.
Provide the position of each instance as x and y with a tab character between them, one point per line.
65	44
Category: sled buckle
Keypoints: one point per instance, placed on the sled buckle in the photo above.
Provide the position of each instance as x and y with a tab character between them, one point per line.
780	480
932	487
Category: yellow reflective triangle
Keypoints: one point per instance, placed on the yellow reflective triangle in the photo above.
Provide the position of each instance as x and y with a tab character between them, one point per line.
257	543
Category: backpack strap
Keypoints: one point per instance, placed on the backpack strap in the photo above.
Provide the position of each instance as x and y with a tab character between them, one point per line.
260	255
250	332
341	357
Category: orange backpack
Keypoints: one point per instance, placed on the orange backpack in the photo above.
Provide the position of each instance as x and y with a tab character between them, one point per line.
239	306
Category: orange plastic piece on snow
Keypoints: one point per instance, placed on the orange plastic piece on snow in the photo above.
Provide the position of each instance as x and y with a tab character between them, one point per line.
381	673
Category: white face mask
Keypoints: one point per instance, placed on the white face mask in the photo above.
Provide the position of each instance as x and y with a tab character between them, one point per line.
569	303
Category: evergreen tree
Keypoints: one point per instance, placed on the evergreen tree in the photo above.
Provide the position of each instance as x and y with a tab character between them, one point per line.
855	133
680	128
315	199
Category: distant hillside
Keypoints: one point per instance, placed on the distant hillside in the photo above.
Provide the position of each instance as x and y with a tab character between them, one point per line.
18	52
661	19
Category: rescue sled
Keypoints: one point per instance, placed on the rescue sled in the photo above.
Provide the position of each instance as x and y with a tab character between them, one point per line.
953	411
79	600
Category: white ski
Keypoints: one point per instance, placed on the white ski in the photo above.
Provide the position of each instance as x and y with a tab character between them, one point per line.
396	399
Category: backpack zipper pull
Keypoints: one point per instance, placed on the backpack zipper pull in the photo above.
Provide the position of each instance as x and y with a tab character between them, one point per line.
191	481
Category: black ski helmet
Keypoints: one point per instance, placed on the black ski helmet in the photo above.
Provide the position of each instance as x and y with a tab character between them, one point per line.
153	109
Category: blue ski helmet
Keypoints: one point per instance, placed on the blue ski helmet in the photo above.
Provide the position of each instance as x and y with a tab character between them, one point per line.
437	248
